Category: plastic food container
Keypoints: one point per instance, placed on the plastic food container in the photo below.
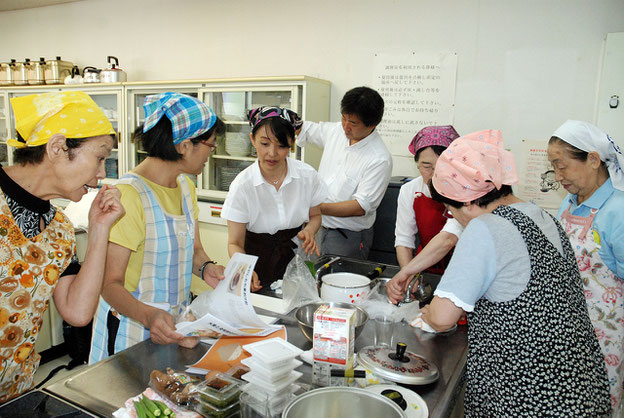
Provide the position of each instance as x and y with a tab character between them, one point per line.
238	371
209	410
219	391
272	374
273	352
272	388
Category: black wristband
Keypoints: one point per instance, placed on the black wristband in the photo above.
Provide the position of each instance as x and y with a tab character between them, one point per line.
203	266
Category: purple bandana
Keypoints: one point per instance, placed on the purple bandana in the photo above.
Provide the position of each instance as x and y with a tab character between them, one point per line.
433	135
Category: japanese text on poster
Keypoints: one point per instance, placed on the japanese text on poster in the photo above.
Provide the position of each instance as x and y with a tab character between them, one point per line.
536	176
418	90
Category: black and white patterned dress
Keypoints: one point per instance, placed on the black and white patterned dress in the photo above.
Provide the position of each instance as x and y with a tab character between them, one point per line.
536	355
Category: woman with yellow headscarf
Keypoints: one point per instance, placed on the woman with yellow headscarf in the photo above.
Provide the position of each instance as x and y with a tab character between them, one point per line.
62	142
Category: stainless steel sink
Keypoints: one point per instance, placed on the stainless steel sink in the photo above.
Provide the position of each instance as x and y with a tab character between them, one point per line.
365	267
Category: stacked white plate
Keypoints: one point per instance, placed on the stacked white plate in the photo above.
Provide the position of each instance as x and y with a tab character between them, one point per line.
272	370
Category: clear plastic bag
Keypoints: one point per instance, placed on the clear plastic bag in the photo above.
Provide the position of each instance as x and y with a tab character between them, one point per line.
299	285
377	304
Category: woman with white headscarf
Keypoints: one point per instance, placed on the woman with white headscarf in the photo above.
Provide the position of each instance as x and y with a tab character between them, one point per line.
589	165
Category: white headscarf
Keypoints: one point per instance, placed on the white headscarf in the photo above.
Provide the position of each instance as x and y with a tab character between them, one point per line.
588	138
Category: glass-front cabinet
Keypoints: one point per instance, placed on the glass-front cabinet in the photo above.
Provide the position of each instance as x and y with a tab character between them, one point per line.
235	151
4	128
109	98
136	115
232	99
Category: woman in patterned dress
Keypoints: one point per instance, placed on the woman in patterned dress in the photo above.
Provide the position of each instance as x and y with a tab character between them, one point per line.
589	165
532	350
63	140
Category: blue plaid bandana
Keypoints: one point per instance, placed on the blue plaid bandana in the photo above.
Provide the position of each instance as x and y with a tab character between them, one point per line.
189	116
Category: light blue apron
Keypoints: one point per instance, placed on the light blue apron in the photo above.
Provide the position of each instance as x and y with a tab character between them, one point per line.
166	271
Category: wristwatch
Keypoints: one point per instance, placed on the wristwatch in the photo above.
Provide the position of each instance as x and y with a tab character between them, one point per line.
203	266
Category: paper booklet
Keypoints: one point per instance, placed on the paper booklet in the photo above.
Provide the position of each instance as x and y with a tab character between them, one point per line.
229	308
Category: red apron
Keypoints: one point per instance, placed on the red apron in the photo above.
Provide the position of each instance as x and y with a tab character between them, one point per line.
430	221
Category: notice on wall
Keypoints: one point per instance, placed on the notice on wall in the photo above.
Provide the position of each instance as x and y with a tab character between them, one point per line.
536	176
418	90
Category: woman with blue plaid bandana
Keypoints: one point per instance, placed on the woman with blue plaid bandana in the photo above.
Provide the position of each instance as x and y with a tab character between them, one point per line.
155	247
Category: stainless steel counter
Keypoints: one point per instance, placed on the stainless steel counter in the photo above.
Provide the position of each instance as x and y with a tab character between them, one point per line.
105	386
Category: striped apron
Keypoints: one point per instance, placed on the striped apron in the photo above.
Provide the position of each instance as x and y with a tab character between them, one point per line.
167	267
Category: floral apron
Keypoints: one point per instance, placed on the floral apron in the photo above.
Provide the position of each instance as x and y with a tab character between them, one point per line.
166	273
604	296
29	271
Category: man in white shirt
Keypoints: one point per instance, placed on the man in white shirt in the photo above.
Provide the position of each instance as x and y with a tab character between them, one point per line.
356	166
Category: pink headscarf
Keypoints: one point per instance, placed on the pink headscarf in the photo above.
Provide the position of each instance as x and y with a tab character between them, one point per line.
433	135
473	165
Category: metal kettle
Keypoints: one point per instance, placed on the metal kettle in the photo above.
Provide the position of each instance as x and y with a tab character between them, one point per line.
6	73
113	74
36	72
90	75
20	72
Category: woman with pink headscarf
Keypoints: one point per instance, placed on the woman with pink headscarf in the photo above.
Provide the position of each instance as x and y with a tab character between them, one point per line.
531	346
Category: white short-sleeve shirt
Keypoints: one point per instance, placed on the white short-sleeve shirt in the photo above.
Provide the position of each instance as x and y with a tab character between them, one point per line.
406	229
253	201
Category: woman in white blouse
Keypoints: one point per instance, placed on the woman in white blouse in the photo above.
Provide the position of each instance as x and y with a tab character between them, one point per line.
422	225
274	200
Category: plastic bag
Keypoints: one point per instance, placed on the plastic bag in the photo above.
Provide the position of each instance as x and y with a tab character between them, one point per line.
299	285
377	304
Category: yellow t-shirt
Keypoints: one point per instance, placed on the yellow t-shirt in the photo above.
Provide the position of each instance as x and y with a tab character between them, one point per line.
129	230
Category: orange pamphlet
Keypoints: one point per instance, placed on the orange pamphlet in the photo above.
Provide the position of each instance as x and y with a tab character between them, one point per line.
228	351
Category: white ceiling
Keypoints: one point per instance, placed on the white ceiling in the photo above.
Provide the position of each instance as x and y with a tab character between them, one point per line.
6	5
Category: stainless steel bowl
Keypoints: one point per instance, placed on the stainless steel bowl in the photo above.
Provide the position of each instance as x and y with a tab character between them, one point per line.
305	317
341	402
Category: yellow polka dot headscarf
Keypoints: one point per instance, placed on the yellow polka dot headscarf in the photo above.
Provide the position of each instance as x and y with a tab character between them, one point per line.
73	114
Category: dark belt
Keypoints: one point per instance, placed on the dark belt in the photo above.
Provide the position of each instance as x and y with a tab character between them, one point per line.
340	231
274	252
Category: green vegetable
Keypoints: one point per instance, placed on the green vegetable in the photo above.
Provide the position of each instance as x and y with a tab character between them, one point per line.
163	408
310	265
138	407
150	409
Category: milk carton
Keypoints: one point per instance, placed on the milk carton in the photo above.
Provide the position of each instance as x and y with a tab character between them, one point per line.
334	341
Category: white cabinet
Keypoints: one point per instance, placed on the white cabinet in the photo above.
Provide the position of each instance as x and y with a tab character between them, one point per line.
230	98
109	97
5	115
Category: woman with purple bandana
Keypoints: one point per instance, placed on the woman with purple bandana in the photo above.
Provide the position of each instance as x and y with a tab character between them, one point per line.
274	204
421	218
589	165
154	249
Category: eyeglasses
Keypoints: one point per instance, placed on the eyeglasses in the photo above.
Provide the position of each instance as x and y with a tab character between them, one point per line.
213	146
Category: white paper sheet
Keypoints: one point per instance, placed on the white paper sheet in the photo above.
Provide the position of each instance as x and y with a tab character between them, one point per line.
230	311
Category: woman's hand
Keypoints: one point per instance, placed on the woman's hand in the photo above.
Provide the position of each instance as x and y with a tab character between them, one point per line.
188	342
255	282
309	243
162	327
395	288
106	207
213	274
